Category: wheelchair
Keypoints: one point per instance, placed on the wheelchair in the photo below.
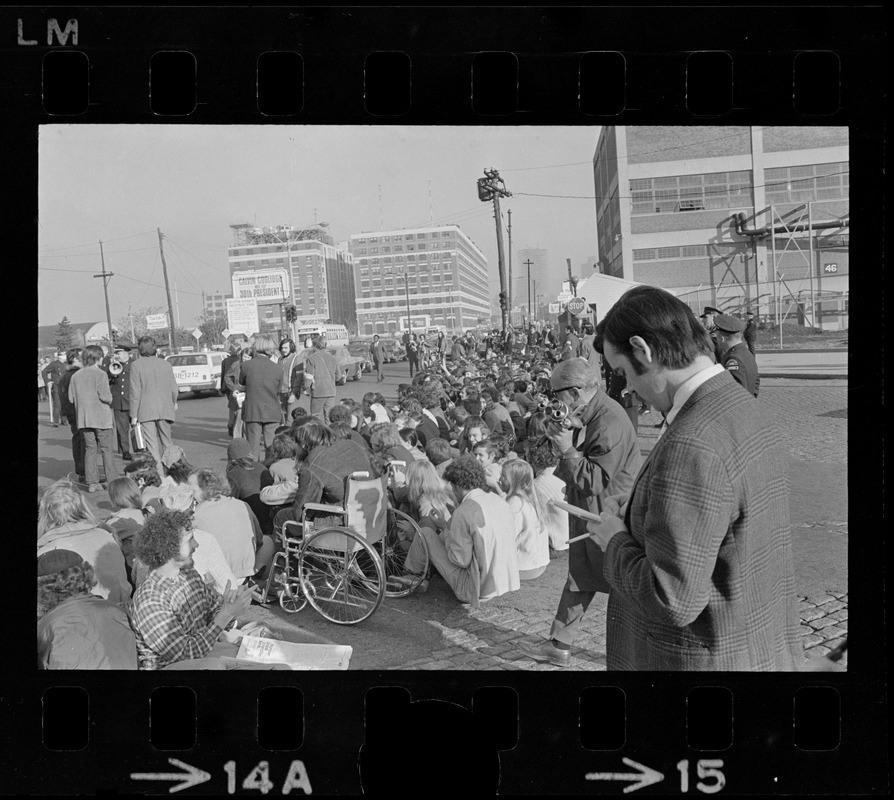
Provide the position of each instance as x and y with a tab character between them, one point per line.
345	571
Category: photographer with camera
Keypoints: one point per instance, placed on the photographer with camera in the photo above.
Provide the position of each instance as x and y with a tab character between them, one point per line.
600	459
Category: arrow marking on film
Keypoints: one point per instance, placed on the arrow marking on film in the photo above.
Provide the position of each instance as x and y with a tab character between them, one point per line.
645	777
192	776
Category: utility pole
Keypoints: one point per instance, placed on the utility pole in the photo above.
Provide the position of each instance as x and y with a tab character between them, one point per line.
105	290
491	187
528	265
164	267
509	276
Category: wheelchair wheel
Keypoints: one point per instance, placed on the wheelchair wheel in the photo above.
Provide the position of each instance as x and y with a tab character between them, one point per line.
393	548
291	598
346	585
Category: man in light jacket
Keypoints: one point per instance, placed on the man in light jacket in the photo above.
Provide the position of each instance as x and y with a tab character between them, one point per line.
320	373
152	397
89	391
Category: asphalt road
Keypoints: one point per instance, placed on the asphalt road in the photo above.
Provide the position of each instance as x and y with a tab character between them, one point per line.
406	630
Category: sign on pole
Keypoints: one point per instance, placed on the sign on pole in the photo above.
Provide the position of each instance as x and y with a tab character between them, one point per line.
242	316
197	334
156	322
555	308
225	333
577	306
265	285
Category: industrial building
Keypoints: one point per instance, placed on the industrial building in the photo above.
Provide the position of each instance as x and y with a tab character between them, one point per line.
284	265
437	270
739	217
215	302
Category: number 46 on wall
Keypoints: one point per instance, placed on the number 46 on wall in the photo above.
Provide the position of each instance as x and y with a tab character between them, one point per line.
706	768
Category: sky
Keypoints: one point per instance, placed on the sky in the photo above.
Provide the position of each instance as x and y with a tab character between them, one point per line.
120	183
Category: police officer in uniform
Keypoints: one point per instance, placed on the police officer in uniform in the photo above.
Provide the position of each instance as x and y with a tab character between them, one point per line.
737	358
708	320
120	406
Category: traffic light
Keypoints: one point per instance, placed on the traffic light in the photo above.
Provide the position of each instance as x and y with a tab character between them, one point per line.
503	303
485	190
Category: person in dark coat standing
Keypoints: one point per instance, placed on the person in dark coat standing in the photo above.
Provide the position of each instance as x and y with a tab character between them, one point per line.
226	390
750	334
152	396
69	412
260	379
737	358
377	351
92	398
51	373
118	384
320	375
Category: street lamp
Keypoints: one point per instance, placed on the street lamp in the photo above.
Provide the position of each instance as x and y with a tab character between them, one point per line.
289	241
405	274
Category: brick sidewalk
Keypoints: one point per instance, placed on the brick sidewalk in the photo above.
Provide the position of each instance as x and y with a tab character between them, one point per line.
487	638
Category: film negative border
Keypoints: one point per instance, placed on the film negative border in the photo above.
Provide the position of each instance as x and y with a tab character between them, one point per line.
512	732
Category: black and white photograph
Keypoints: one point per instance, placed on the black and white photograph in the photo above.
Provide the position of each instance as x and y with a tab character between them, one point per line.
457	398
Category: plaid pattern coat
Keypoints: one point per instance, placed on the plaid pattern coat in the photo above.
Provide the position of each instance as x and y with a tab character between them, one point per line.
703	578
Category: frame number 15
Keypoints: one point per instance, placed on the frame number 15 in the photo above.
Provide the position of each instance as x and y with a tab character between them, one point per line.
708	769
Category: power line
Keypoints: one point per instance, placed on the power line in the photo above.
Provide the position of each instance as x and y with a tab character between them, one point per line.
48	254
93	244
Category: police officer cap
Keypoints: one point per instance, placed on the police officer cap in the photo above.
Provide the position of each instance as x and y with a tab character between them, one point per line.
710	310
728	324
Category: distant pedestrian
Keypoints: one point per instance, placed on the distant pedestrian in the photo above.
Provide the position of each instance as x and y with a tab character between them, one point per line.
89	391
152	397
69	412
377	351
750	333
120	408
413	353
51	374
707	319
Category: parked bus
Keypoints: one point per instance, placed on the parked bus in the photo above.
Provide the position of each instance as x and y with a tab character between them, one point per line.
336	335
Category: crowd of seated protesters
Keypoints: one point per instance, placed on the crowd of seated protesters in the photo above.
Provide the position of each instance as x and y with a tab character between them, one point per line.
478	479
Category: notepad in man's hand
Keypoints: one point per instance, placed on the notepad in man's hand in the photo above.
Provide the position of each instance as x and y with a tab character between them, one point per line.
299	656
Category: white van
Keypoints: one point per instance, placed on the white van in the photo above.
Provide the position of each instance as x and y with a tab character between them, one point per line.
197	372
336	335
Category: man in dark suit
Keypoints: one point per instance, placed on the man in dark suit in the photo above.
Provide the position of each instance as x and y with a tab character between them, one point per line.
260	379
700	561
225	365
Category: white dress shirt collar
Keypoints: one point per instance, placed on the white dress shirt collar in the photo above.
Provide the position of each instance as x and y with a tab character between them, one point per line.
686	389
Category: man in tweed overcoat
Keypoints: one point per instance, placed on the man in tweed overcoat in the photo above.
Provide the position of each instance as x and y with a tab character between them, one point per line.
700	560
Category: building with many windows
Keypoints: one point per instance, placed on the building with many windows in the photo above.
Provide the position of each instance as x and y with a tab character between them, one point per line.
284	265
440	268
216	302
735	217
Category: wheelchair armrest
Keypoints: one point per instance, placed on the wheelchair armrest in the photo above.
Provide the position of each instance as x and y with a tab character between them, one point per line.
324	507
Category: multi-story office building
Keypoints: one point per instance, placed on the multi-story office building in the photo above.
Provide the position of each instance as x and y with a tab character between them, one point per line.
440	267
216	302
691	209
283	265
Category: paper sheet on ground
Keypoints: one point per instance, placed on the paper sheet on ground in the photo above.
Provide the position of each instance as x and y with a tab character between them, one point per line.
299	656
